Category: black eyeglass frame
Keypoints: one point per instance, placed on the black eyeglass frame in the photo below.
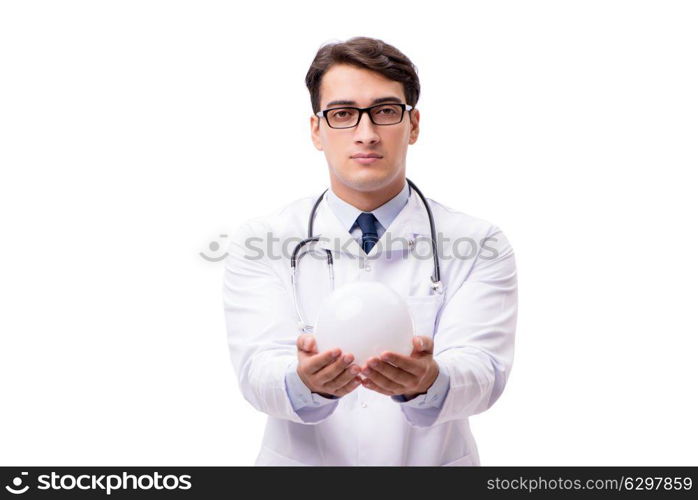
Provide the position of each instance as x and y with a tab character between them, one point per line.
404	107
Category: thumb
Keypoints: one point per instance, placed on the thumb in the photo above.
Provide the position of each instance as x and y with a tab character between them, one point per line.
423	344
305	342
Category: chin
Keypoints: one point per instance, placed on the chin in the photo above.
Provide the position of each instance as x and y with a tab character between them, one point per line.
365	178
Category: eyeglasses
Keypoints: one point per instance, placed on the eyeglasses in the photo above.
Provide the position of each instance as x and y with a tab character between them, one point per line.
380	114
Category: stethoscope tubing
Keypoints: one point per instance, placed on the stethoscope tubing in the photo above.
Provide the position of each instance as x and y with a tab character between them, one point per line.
435	277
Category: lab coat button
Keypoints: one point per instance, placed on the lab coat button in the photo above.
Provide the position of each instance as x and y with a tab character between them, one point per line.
364	405
367	268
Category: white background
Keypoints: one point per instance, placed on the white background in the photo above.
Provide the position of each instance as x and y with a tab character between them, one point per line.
135	133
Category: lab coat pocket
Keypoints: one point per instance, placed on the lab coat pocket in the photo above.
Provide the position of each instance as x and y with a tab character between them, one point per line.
424	310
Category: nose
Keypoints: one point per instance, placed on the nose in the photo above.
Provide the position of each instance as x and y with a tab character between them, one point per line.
365	131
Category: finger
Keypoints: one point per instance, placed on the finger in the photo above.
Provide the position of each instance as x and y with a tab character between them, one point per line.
317	362
344	377
348	387
384	383
331	371
406	363
370	385
422	345
394	373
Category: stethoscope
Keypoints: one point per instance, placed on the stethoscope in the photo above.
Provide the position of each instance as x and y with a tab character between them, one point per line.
435	285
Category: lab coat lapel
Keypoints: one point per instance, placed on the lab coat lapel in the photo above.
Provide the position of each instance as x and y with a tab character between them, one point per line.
411	222
333	236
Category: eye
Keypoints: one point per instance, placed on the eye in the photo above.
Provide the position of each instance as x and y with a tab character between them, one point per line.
342	114
387	111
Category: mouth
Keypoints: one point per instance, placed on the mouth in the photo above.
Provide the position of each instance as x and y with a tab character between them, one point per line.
366	158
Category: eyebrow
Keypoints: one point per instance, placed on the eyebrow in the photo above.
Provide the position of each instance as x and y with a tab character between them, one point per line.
380	100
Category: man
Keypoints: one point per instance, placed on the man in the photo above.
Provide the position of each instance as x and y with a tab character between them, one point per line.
324	409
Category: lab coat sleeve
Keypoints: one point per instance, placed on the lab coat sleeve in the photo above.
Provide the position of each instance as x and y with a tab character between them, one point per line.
261	325
474	337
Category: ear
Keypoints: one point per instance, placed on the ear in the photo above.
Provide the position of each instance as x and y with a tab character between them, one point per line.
315	132
414	125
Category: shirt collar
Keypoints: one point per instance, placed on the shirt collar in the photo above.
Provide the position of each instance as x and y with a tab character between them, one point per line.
386	213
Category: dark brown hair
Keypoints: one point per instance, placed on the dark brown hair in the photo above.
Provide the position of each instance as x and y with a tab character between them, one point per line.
366	53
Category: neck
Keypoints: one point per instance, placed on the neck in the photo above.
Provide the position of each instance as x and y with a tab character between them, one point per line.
366	201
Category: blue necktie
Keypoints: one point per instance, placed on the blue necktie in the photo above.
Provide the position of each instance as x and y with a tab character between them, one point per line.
367	223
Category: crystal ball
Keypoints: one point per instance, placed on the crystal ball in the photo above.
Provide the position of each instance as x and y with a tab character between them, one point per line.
364	319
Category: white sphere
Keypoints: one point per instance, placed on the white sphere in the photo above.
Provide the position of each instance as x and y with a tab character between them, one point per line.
364	318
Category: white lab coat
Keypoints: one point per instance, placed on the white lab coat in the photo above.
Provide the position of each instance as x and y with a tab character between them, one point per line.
472	323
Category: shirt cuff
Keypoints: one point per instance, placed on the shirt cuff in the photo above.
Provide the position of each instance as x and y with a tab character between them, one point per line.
433	398
299	394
